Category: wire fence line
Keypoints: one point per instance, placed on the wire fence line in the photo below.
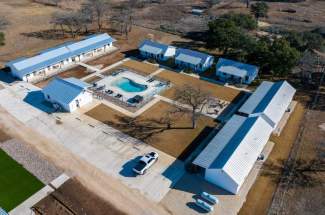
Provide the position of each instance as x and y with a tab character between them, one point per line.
277	205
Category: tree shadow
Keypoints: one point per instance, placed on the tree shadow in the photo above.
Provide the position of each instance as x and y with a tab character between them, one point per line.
50	34
187	44
132	53
143	129
301	173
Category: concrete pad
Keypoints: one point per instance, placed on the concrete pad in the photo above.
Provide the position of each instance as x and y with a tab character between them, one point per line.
102	146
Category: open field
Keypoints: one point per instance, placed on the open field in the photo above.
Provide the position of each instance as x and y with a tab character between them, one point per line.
73	196
26	19
16	183
260	196
308	15
175	141
178	80
298	199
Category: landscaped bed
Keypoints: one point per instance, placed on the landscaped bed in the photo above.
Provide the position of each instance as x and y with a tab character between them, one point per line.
178	80
178	140
16	183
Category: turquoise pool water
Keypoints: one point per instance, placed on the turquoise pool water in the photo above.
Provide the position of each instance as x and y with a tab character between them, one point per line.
129	86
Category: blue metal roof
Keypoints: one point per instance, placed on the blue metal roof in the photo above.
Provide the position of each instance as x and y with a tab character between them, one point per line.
65	90
233	143
153	47
58	53
191	57
268	97
236	68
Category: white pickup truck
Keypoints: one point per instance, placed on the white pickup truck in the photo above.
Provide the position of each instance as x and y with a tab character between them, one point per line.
145	163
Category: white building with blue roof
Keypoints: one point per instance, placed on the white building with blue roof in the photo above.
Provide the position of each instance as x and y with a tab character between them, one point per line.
60	58
230	156
197	61
270	100
69	94
235	72
155	50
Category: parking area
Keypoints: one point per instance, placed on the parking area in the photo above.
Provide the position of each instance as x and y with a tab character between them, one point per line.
100	145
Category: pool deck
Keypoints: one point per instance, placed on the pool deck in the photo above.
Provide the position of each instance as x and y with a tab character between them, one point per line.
110	83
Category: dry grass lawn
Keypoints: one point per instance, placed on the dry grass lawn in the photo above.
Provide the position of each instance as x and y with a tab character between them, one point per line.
179	80
78	72
93	79
260	195
139	66
176	141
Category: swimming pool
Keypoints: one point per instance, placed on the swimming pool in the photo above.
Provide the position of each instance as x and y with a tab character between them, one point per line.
128	85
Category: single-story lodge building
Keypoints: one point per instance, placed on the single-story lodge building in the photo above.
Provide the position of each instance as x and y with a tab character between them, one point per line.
235	72
68	94
197	61
155	50
230	156
60	58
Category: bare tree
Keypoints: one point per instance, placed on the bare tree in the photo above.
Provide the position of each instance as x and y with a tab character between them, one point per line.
71	21
100	9
191	100
85	17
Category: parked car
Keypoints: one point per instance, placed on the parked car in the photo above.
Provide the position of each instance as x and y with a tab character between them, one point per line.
145	163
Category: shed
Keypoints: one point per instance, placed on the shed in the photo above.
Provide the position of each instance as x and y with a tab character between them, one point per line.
69	93
235	72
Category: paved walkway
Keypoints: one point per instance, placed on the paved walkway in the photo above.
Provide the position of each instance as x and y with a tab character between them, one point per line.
25	207
155	73
99	71
89	67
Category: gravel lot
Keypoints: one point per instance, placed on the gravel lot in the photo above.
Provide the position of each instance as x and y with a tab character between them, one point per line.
31	160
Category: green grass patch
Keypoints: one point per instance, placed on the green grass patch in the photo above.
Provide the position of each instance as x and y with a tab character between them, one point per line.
16	183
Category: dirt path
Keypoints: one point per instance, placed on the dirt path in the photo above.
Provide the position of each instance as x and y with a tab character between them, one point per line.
105	186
